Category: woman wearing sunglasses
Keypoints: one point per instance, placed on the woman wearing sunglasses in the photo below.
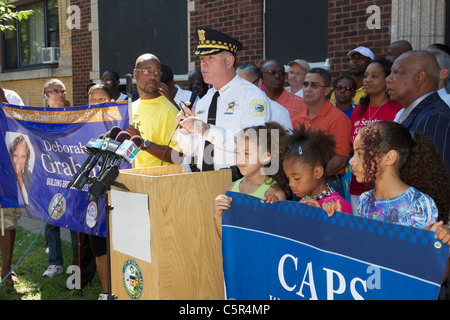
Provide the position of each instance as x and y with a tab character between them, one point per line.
344	91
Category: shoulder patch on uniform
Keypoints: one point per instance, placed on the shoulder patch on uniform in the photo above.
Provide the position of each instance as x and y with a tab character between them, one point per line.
258	108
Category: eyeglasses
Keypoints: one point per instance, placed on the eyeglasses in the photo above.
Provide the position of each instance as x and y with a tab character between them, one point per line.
343	89
273	72
149	72
57	91
107	82
314	85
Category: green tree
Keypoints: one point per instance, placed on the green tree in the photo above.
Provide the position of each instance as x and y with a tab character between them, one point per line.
9	14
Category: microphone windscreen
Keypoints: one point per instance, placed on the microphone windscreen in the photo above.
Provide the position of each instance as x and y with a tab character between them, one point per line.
122	136
114	132
197	87
137	140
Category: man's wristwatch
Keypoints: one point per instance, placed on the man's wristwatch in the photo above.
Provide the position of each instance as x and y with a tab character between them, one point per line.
145	144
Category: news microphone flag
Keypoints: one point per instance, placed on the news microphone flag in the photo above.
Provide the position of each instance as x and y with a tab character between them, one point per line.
128	150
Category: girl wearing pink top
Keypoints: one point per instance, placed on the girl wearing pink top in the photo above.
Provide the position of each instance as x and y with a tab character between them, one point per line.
305	164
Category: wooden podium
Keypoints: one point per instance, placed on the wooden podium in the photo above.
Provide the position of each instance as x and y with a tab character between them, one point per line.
186	254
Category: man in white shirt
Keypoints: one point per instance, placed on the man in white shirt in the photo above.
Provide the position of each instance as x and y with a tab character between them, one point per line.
112	81
12	97
211	135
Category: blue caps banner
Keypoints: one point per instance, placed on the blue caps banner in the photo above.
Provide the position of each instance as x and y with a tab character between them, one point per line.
42	149
290	251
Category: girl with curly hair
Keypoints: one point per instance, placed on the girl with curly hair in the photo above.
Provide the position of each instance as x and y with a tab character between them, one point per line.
305	164
259	154
408	178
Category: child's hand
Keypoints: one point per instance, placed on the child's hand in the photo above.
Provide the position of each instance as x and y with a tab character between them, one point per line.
442	232
271	198
222	202
331	207
311	202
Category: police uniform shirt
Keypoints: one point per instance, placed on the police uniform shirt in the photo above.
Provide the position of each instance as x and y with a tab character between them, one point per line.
240	105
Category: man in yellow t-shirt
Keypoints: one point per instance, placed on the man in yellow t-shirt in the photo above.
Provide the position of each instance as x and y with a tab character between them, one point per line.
360	58
154	117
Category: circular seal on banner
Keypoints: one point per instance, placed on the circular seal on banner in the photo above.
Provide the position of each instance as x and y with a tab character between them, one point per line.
132	279
91	214
57	206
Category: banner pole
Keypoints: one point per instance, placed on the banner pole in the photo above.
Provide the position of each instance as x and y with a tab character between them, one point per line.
80	291
129	88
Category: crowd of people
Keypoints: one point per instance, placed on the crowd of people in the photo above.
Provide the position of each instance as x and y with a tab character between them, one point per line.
366	143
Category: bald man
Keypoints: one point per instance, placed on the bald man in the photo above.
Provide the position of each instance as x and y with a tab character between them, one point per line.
413	83
397	48
154	116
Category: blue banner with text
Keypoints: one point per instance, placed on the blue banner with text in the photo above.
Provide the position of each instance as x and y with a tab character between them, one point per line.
289	251
42	149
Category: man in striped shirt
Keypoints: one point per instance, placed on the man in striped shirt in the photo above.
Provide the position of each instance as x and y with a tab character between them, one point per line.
413	83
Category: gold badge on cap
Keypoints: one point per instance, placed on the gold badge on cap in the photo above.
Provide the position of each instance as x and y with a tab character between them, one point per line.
201	35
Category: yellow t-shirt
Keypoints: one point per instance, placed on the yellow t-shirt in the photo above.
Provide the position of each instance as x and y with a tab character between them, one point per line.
156	120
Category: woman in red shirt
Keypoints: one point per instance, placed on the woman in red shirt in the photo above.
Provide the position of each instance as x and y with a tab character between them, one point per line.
375	106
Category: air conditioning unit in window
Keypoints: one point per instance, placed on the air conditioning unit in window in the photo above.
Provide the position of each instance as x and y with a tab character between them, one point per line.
50	55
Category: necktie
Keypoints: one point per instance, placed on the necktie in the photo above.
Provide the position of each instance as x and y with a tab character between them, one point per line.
212	111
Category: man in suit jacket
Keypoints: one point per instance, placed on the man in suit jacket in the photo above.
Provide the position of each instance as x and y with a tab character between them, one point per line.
413	83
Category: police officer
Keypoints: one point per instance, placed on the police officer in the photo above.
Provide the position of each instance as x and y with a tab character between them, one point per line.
208	131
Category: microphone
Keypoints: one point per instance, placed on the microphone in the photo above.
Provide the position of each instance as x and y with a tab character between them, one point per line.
91	148
121	137
196	88
127	151
110	145
98	149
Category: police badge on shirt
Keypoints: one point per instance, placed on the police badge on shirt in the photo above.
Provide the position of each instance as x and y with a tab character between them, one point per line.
257	108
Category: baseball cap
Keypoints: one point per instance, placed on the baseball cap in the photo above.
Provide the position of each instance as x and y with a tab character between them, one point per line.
301	63
366	52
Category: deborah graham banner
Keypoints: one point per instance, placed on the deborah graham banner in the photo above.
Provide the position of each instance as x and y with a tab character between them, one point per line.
42	149
290	251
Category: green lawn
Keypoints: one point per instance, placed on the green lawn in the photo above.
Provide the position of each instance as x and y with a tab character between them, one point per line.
32	286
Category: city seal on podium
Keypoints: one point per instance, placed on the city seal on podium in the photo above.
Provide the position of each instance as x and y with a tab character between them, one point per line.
132	280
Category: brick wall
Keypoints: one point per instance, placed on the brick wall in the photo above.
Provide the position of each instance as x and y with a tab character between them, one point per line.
81	54
241	19
347	29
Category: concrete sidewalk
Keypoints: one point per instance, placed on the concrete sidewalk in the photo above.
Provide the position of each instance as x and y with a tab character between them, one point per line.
35	226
